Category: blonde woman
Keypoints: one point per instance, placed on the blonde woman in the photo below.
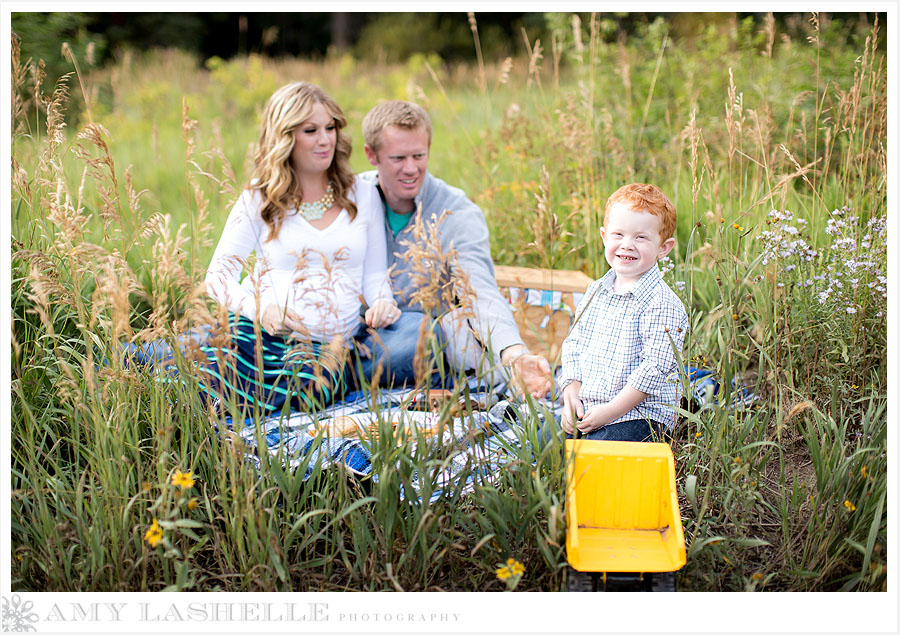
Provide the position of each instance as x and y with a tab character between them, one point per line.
318	236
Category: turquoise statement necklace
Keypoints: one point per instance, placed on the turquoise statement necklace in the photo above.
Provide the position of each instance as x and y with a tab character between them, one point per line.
315	210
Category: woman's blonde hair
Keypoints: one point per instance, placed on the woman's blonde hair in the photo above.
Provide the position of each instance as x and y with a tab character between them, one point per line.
287	108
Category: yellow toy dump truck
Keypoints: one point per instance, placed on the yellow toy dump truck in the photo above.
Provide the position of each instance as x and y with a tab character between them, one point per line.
624	526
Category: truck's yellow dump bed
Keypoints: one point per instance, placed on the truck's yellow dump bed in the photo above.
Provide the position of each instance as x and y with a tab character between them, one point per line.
622	508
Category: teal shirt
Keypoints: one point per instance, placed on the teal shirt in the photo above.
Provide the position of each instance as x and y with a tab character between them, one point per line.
396	221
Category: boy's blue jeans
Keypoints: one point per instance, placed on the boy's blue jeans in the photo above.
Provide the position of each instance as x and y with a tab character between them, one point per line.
633	430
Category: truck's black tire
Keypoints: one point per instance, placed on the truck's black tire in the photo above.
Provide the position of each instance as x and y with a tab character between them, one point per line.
579	581
663	582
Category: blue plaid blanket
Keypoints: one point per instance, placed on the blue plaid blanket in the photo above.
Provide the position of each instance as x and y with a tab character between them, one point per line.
475	446
705	390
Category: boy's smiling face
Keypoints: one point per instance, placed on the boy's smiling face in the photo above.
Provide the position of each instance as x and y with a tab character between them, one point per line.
632	243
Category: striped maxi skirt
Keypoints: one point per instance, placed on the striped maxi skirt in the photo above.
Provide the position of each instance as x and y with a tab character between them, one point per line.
269	371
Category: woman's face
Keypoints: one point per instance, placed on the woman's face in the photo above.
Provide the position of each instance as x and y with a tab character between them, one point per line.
314	142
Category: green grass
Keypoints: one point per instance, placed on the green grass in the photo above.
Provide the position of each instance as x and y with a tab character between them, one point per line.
786	495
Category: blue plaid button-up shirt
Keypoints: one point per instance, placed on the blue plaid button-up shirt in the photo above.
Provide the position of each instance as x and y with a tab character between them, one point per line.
621	339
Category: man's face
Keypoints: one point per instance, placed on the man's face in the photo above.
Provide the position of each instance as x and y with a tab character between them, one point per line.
401	162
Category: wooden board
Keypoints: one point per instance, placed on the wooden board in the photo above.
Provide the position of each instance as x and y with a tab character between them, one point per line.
542	328
546	279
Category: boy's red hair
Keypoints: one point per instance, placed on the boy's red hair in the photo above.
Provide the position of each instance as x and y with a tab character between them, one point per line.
649	198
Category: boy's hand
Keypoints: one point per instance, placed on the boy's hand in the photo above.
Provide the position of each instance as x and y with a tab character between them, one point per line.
594	418
603	413
573	408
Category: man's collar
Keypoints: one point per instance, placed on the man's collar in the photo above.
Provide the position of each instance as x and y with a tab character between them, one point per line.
420	197
381	194
372	177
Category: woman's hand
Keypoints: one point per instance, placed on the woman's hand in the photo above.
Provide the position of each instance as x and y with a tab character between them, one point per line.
573	408
279	320
382	313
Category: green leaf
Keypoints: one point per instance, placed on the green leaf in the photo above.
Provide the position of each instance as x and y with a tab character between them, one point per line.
190	534
855	545
697	547
690	489
873	532
749	542
279	568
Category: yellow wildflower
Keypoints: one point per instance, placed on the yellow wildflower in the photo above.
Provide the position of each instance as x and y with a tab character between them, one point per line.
511	572
737	227
184	480
864	472
698	434
734	316
850	506
145	486
193	504
757	576
154	535
738	459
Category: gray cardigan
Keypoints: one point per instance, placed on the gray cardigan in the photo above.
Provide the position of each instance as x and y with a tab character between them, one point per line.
464	230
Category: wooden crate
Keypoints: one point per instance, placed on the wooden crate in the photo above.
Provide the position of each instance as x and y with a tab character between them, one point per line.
543	328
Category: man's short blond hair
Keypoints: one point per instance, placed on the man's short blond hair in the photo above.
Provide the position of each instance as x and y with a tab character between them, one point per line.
403	114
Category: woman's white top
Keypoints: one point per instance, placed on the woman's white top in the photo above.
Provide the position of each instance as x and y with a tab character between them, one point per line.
319	273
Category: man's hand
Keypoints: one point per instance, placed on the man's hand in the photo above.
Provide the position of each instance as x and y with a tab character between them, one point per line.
531	373
573	408
278	320
382	313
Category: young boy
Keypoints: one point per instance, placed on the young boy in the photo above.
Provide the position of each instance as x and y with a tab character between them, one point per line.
619	355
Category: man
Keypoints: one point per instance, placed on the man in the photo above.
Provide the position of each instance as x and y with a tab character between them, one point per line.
397	142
